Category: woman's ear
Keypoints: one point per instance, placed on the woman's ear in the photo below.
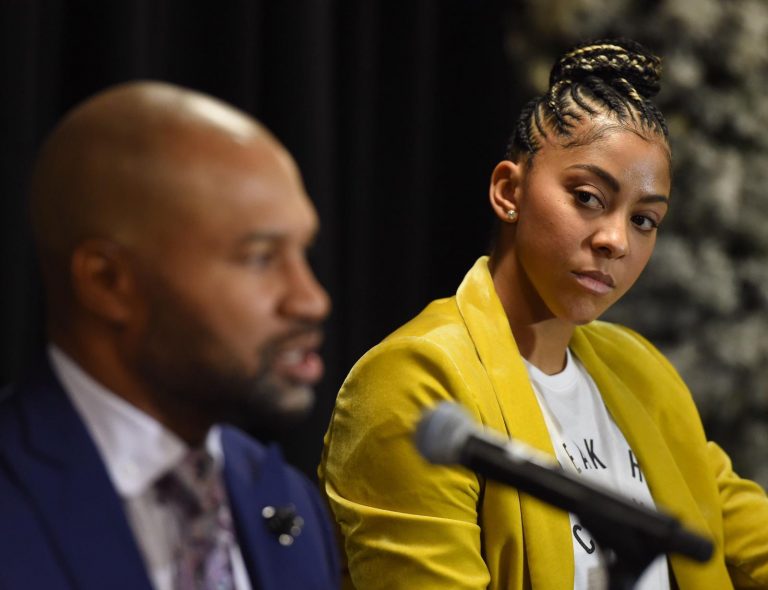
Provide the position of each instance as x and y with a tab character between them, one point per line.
504	192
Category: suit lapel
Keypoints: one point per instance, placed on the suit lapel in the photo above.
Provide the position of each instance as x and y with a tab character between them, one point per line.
59	468
257	478
549	546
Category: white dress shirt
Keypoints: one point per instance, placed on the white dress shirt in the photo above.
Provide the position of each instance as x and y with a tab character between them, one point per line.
137	450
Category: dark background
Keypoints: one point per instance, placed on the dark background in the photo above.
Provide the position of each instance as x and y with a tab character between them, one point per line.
395	111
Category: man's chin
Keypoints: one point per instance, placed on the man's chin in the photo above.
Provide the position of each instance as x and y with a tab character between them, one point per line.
271	414
295	405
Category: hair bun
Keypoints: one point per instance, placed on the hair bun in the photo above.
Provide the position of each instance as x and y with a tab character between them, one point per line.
610	59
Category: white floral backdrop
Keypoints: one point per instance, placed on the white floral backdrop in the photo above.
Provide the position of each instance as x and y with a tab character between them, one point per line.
704	298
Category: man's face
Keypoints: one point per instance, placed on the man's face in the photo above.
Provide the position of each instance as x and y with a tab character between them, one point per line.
232	316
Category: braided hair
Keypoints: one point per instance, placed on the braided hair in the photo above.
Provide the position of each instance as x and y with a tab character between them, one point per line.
610	76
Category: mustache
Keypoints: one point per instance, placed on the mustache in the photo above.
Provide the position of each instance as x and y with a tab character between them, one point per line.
309	333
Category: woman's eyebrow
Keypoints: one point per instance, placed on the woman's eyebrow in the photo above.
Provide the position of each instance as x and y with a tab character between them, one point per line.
614	184
655	199
604	174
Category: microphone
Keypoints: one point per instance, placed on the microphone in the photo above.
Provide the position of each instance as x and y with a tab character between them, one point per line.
446	435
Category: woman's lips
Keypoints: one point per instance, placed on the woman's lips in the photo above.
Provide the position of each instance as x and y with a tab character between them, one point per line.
595	281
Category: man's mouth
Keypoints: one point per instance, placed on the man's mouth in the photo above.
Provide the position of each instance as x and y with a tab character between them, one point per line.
298	359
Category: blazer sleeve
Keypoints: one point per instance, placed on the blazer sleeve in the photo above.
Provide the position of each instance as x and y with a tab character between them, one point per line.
405	523
745	523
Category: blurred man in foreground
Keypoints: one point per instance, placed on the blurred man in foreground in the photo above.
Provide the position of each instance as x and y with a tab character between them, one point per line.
172	232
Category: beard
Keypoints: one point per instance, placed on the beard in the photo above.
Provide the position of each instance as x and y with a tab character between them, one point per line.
196	380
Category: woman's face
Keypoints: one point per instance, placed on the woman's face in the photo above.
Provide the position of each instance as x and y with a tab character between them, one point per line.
588	217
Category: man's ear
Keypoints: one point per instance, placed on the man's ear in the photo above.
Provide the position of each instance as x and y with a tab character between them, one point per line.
102	280
504	192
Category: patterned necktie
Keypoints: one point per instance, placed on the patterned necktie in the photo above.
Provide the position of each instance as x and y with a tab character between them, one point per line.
194	492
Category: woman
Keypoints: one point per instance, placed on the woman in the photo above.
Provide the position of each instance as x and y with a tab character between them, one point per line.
579	199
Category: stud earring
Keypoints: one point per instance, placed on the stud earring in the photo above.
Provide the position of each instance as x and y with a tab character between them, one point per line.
512	215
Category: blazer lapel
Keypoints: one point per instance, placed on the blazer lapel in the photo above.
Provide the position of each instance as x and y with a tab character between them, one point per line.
665	480
60	469
548	544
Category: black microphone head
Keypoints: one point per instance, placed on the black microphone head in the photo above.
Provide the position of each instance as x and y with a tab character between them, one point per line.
442	433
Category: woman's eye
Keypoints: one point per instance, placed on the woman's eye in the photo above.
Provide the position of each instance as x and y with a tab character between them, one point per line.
644	222
588	199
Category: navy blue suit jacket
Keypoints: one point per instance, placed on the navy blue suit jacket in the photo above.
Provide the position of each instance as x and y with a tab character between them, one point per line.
63	527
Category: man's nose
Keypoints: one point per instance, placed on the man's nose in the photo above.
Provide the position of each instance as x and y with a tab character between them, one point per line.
305	297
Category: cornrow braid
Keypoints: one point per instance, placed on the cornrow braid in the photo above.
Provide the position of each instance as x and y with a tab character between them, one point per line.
557	106
659	117
523	130
577	98
634	97
613	76
609	96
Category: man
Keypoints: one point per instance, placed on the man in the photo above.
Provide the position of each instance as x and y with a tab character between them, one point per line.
172	232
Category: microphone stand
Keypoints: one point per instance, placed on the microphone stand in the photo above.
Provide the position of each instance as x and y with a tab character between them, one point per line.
627	553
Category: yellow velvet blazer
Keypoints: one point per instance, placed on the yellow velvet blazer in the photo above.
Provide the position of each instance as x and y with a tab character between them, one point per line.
411	525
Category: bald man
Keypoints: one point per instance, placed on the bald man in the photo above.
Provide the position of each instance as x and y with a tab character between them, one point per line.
172	233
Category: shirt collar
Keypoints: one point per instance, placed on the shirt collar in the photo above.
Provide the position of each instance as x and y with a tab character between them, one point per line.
565	380
136	448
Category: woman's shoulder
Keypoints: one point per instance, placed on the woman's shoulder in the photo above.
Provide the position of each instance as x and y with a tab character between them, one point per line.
438	326
627	353
436	342
612	339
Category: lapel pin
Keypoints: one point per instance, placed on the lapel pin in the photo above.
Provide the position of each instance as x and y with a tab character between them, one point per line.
284	522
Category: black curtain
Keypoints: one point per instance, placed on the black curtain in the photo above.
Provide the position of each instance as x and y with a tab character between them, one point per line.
395	111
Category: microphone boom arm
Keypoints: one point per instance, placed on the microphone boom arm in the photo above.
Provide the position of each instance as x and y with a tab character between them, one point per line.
592	504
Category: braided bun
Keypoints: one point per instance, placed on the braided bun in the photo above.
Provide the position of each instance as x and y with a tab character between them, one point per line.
610	60
616	77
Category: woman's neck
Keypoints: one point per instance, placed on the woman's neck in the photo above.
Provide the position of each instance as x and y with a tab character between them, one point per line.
543	344
541	337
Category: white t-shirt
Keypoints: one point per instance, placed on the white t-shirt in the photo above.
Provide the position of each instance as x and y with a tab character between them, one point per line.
588	442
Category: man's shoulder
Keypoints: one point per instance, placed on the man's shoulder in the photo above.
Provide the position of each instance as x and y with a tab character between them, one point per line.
10	423
36	397
8	397
12	398
255	462
5	393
